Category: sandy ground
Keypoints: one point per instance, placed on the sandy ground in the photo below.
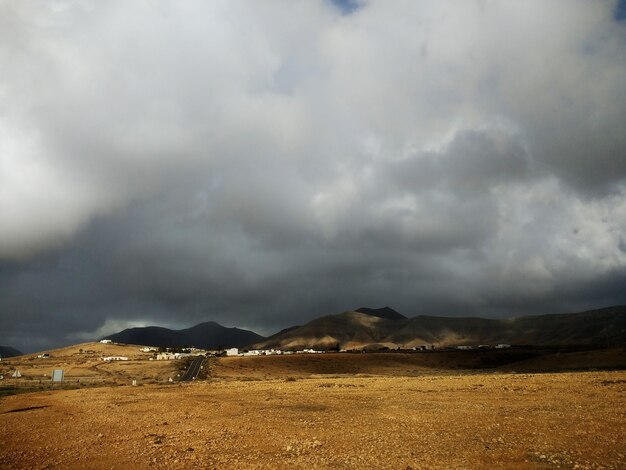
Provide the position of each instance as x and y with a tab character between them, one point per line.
478	420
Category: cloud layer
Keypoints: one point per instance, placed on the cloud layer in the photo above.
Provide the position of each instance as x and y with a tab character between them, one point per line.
259	163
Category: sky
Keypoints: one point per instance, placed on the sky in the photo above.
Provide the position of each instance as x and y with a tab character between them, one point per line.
261	164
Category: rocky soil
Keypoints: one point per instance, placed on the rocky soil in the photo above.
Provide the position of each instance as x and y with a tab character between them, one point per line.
481	420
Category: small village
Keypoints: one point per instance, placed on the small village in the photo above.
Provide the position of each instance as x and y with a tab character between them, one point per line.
164	354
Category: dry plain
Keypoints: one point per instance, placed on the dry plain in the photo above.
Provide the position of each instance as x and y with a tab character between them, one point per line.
301	413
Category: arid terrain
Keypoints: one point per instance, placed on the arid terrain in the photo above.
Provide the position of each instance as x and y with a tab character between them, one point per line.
84	367
324	411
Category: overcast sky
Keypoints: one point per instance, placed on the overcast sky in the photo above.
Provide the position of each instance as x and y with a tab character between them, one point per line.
262	163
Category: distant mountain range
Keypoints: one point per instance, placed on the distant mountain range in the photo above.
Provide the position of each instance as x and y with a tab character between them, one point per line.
372	328
209	335
378	328
7	351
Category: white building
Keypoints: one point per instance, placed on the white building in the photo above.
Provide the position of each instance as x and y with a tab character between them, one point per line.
232	352
167	356
254	352
106	341
115	358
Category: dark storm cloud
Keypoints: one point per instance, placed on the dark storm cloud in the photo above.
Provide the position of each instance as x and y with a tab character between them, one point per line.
173	163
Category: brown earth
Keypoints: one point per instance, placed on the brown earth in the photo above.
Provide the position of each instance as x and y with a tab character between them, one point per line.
419	363
83	366
277	412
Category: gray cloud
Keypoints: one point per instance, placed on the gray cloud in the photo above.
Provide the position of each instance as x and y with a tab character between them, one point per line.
172	163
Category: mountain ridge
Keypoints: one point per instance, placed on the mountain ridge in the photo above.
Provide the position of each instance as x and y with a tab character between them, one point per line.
384	312
356	330
206	335
371	328
8	351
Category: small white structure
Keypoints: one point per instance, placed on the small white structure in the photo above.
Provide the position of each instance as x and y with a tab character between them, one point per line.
254	352
502	346
262	352
115	358
17	374
149	349
106	341
167	356
232	352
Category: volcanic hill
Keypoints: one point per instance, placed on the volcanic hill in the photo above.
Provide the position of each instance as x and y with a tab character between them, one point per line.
379	328
7	351
208	335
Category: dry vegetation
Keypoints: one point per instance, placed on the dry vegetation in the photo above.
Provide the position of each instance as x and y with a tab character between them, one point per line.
295	412
394	363
83	366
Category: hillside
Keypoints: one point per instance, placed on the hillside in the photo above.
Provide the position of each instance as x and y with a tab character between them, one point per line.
209	335
398	364
385	312
7	351
346	330
83	366
354	329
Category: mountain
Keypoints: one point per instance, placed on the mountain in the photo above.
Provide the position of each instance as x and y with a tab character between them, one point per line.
385	312
6	351
349	330
209	335
364	329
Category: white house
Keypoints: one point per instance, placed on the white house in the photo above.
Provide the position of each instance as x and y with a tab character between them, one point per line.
106	341
232	352
167	356
262	352
254	352
115	358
